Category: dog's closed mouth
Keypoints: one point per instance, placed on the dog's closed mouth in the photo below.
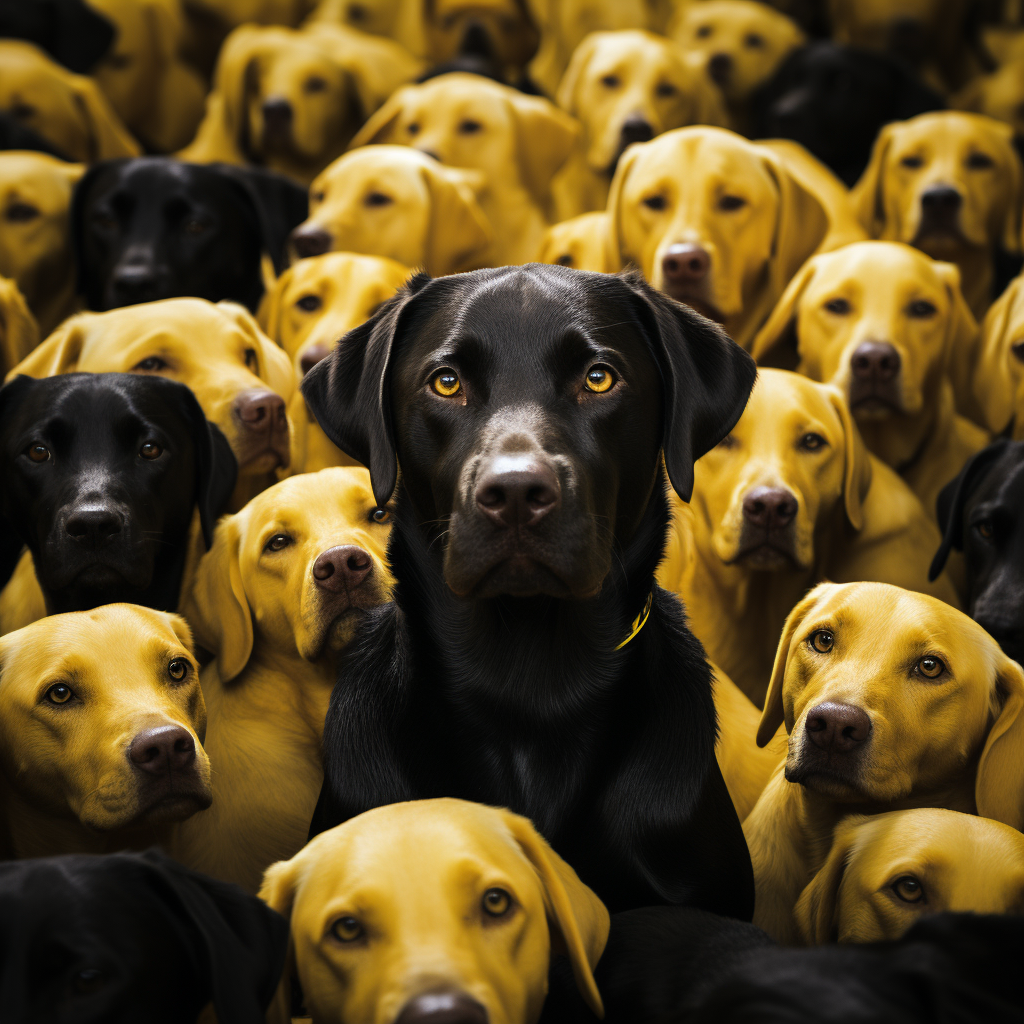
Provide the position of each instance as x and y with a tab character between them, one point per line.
178	800
767	553
519	575
874	403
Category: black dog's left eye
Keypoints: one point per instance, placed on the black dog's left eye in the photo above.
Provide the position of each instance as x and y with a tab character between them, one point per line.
984	528
88	981
980	161
812	442
177	669
921	309
278	542
151	450
38	453
194	226
446	383
599	379
252	361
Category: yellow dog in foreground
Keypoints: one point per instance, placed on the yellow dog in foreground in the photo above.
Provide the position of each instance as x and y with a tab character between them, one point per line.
433	905
892	700
276	598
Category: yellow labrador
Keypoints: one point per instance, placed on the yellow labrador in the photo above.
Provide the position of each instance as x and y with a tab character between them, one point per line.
581	243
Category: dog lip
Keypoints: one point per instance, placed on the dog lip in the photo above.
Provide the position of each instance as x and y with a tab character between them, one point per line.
171	800
530	576
874	401
763	548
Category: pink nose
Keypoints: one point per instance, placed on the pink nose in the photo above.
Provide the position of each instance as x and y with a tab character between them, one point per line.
685	262
261	410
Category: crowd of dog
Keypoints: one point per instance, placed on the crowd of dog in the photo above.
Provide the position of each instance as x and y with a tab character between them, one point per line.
488	542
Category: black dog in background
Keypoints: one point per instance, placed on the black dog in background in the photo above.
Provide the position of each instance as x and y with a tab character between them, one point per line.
121	938
99	477
157	228
981	513
527	408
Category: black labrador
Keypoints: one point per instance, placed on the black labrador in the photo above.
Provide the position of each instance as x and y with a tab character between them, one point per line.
126	937
981	513
157	228
675	965
99	477
529	659
834	99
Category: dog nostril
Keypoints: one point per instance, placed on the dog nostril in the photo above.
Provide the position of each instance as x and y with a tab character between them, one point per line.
342	568
260	410
310	241
358	562
686	262
636	129
878	360
93	524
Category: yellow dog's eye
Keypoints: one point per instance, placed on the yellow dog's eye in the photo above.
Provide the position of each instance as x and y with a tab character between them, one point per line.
59	693
38	452
980	161
347	929
252	361
908	889
930	667
599	379
380	515
912	162
704	31
611	81
496	902
177	669
838	306
812	442
446	383
309	303
278	542
151	450
151	364
822	640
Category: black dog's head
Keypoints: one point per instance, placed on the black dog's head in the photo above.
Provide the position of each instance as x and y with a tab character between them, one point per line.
128	937
156	228
981	513
101	473
527	408
834	99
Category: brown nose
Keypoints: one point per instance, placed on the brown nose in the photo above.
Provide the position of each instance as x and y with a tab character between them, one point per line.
93	526
875	360
687	262
310	240
838	727
261	410
518	490
442	1008
720	68
769	508
167	748
342	568
312	355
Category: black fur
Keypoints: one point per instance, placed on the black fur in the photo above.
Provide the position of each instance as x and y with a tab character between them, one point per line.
70	31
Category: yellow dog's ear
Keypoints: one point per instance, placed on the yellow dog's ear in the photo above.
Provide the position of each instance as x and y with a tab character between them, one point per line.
963	339
867	197
280	882
232	82
181	630
545	136
459	231
816	910
993	385
614	208
857	470
19	333
59	353
380	127
773	714
581	57
110	138
780	327
999	784
217	607
579	919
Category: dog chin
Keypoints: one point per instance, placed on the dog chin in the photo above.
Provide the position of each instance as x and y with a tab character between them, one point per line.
175	805
518	576
335	635
835	783
135	573
766	557
265	461
874	407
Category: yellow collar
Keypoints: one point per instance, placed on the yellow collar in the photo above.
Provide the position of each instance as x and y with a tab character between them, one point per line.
638	622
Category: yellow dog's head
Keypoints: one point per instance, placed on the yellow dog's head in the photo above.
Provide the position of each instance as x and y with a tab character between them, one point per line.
395	202
435	904
998	382
242	380
714	221
630	86
889	695
740	42
999	95
879	320
941	182
581	243
102	717
792	463
67	109
293	571
501	26
886	871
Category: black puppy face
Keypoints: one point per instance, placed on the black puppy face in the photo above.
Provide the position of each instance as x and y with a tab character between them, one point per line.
101	475
527	408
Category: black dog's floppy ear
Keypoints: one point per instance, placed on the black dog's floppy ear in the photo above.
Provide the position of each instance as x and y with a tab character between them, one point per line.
347	392
707	378
238	939
953	497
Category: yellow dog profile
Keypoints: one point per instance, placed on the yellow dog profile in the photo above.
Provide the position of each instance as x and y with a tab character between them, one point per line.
891	700
276	598
886	871
397	203
371	941
101	730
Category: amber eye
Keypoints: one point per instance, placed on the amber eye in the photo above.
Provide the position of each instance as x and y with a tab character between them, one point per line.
908	889
59	693
496	902
177	669
413	129
151	450
812	442
984	528
822	640
38	453
380	515
347	929
278	542
599	379
931	667
446	383
838	306
912	162
151	364
309	303
611	81
921	309
194	226
565	260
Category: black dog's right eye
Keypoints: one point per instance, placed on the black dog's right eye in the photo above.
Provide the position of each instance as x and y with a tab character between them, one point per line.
278	542
38	452
151	450
18	213
310	303
822	640
984	528
151	364
377	199
655	202
838	306
913	162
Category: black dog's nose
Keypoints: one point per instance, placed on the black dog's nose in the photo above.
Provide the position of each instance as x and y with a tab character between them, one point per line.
342	568
838	727
635	129
518	490
769	507
167	748
941	200
277	116
312	355
720	68
93	525
310	241
875	360
685	262
442	1008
